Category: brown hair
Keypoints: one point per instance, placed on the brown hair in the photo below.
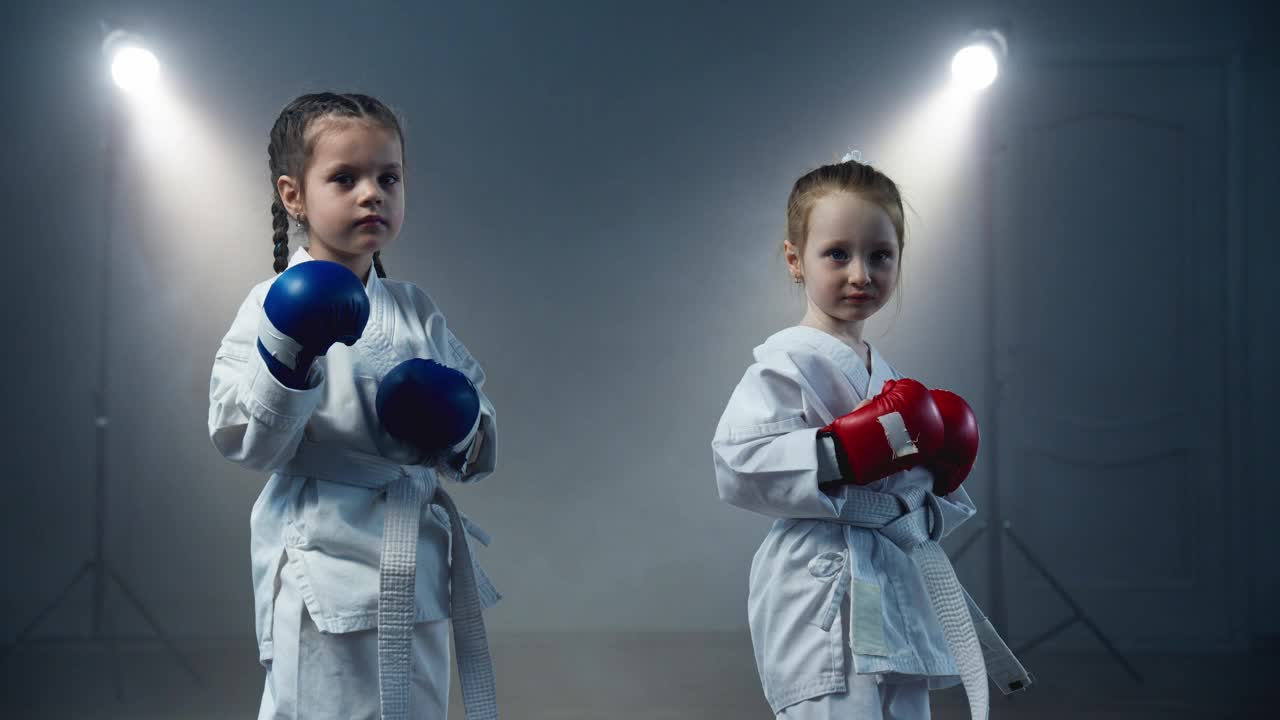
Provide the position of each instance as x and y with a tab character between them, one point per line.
849	176
289	150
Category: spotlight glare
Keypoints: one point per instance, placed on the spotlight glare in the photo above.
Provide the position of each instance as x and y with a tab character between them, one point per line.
975	67
134	69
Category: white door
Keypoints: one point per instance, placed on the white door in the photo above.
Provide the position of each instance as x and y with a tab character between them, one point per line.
1110	227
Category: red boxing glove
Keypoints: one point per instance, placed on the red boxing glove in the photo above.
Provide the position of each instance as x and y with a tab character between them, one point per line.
898	429
952	463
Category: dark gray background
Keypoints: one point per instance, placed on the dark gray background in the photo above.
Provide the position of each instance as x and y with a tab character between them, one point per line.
595	200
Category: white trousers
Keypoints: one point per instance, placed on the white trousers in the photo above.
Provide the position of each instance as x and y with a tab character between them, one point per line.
888	696
322	676
870	697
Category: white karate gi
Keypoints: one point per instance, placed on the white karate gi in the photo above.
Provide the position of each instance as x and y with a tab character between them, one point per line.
816	564
317	544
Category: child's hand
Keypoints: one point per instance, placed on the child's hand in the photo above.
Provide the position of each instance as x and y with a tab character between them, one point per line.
952	463
430	406
900	429
309	307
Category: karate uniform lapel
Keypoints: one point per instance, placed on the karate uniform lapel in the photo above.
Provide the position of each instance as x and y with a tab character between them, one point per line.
880	373
849	362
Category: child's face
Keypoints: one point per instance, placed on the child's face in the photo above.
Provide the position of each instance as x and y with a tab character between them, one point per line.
851	249
356	170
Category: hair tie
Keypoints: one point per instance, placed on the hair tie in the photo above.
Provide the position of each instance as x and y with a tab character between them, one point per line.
855	155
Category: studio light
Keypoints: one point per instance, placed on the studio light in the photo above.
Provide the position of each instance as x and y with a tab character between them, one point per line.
133	67
976	65
136	71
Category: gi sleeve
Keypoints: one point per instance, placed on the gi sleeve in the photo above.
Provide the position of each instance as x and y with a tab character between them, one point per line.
254	420
477	461
768	458
956	507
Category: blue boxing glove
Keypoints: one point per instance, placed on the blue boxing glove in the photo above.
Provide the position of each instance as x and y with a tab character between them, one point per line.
430	406
309	307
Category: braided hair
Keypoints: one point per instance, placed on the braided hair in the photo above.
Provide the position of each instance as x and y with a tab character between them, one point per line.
289	151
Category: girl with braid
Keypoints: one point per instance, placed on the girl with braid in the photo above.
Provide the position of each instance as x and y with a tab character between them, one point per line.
351	391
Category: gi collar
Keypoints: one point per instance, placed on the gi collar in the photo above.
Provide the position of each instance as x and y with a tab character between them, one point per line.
301	255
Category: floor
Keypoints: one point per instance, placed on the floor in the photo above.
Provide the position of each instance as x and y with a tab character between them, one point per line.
621	676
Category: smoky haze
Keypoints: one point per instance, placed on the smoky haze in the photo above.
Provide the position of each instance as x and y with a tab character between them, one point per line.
595	196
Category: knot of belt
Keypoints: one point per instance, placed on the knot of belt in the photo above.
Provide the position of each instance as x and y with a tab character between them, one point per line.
408	488
913	521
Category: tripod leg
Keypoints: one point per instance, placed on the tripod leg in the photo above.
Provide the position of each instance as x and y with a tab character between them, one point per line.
164	637
1047	634
1111	648
1079	611
66	590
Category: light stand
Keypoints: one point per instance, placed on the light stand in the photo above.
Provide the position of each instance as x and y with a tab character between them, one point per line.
994	396
97	567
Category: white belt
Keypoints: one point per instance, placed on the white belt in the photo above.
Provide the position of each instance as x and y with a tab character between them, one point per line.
913	522
408	488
